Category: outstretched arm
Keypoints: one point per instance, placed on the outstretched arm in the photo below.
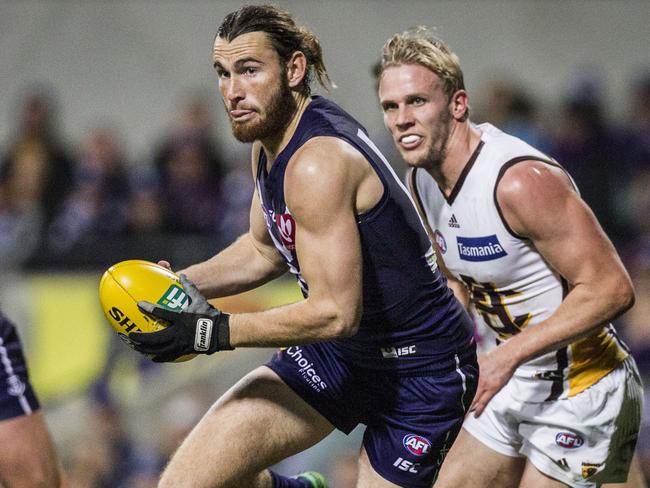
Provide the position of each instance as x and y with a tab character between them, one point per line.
539	203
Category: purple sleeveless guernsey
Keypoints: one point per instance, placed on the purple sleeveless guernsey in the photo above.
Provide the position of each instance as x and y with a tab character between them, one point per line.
411	320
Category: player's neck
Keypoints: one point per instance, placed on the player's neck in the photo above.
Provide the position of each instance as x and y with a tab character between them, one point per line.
273	146
461	144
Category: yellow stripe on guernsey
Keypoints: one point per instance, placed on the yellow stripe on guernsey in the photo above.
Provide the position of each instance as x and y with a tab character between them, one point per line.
593	357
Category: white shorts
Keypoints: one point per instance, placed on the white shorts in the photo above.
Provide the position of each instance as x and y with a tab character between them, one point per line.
583	441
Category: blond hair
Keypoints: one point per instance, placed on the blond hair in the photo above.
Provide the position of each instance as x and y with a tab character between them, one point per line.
418	45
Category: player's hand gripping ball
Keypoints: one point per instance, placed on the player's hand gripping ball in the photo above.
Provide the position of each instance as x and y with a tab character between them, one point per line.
126	283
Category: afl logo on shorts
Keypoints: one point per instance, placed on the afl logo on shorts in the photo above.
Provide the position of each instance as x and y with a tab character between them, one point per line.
416	445
568	440
287	229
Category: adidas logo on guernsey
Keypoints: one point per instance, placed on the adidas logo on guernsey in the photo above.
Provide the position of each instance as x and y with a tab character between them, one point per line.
453	222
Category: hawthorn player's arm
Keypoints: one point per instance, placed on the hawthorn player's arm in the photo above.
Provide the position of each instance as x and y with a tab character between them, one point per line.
574	245
247	263
539	203
322	190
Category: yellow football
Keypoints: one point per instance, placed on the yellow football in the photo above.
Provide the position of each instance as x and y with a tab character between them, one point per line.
126	283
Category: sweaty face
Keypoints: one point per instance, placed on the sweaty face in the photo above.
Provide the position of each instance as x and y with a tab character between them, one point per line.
253	86
416	113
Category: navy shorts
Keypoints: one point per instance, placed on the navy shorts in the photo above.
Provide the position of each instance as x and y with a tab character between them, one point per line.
16	394
411	419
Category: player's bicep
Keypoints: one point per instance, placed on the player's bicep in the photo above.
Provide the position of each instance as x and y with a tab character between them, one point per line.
539	203
330	260
321	198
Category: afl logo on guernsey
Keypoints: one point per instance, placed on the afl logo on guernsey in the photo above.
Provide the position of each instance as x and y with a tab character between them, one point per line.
568	440
480	248
287	229
440	240
416	445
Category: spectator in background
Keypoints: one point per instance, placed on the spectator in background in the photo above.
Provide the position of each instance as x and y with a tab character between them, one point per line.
36	168
237	191
591	150
179	416
144	207
633	203
511	107
21	212
191	185
635	207
192	122
108	457
193	118
21	223
638	143
97	204
191	169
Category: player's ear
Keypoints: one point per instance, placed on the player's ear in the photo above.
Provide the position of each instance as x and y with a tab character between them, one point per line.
296	69
459	105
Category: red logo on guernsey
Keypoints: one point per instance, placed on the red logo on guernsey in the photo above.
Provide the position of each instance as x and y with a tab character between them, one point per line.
287	228
440	240
417	445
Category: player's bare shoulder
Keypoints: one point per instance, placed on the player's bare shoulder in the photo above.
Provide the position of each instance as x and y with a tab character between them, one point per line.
326	153
530	191
333	166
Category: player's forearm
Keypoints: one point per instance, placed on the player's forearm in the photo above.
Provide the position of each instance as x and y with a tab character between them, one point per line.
295	324
238	268
584	310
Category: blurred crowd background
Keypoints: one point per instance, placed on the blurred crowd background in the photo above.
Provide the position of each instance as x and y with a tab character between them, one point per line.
81	192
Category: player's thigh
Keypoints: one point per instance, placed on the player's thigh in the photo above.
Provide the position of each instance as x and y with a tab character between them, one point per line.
27	454
257	423
533	478
368	477
471	463
635	478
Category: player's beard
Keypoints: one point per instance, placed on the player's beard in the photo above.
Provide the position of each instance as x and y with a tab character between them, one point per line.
437	152
279	111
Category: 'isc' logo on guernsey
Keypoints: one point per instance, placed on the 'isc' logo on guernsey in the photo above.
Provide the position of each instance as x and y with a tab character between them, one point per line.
287	229
480	248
